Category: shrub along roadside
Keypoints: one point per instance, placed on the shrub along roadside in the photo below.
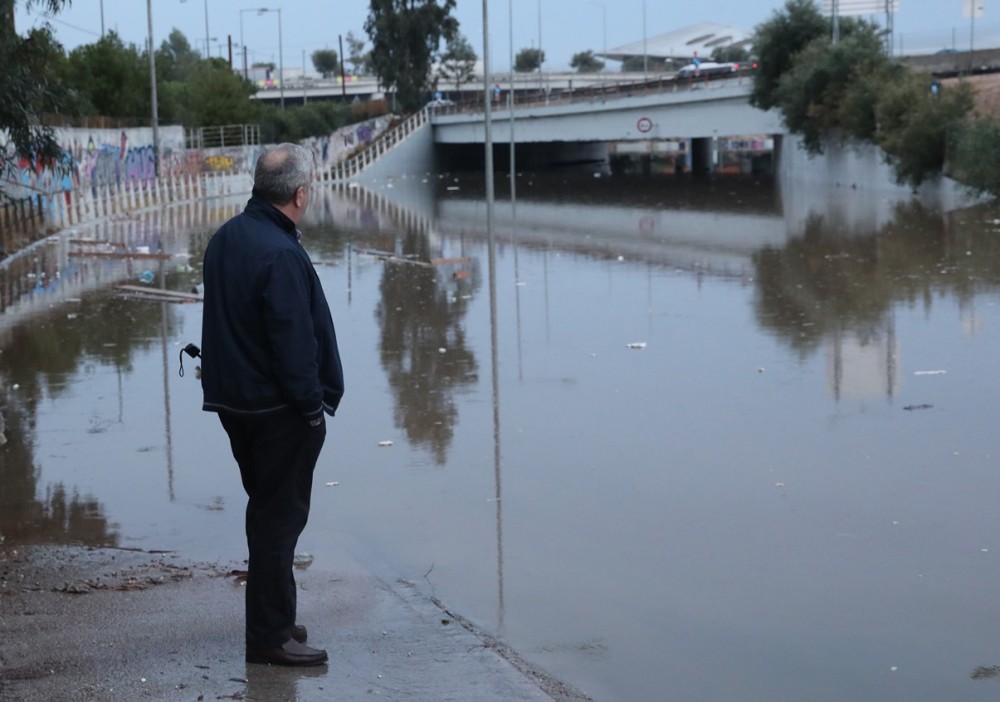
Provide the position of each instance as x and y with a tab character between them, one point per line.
850	90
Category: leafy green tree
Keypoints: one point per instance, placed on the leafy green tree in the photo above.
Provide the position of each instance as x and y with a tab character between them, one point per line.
326	62
359	59
586	62
458	63
975	158
810	95
529	60
218	96
29	85
778	42
635	64
915	125
175	59
112	79
405	36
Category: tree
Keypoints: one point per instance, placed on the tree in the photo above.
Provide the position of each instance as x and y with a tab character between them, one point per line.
326	62
458	63
529	60
778	42
175	59
405	36
217	96
359	59
975	159
29	85
586	62
112	79
916	123
634	64
811	94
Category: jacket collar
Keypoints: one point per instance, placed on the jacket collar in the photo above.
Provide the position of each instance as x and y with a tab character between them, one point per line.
261	210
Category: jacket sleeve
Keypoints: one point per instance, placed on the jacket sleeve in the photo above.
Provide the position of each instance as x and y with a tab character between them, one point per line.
288	324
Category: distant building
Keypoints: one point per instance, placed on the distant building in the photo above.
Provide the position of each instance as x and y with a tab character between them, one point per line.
675	49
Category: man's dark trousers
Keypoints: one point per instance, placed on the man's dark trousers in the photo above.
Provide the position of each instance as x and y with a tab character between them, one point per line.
276	454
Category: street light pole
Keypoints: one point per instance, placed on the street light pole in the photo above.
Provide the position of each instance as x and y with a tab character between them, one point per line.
243	44
152	84
208	50
645	55
281	63
604	24
281	53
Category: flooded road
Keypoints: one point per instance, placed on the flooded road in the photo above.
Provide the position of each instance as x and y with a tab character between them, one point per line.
698	441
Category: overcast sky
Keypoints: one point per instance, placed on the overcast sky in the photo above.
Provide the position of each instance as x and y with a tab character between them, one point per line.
563	27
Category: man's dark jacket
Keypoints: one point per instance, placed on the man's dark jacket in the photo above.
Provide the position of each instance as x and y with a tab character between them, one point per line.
268	341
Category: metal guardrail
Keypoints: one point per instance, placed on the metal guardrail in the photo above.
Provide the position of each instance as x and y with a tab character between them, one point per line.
351	167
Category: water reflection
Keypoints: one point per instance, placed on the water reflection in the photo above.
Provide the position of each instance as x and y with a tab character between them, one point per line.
60	321
423	346
838	289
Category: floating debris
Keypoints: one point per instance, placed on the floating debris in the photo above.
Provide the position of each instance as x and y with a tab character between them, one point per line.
910	408
333	483
636	345
385	443
930	372
302	559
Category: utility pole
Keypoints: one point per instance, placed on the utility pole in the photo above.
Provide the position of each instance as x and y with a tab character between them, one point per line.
343	77
152	86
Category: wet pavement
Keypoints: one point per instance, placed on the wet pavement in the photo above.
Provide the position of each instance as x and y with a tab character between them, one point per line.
107	624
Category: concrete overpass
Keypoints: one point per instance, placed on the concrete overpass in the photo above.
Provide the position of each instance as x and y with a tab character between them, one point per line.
573	127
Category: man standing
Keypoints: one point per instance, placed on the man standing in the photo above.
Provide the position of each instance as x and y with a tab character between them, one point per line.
270	369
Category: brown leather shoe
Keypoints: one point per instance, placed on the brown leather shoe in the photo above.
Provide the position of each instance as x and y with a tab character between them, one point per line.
291	653
299	633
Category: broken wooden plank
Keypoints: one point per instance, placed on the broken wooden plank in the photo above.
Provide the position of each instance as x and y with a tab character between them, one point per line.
160	293
119	254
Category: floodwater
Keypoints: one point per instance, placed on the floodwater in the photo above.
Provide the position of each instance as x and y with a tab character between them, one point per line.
670	440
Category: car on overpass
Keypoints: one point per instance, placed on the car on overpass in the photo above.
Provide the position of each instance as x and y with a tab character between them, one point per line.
707	68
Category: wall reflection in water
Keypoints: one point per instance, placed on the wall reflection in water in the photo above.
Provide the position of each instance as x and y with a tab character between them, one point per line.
59	319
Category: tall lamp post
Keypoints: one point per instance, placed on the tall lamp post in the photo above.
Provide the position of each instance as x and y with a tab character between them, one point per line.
645	55
152	85
207	50
281	53
604	25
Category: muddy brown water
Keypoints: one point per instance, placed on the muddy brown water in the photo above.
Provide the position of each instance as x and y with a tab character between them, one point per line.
685	440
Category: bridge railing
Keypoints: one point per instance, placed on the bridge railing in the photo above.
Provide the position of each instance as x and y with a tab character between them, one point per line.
607	91
351	167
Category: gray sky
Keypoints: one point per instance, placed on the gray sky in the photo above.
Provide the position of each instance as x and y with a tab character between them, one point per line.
563	27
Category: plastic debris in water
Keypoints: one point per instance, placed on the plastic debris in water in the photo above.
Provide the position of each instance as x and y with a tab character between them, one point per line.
636	345
146	277
333	484
302	559
385	443
930	372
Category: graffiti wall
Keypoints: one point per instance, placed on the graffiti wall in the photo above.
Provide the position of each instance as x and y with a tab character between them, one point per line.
95	159
92	159
336	147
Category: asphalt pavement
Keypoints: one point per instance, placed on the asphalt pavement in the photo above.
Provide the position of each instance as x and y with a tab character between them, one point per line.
110	624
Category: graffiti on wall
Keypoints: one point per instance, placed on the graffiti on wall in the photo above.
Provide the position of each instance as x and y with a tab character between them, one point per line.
336	147
93	159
